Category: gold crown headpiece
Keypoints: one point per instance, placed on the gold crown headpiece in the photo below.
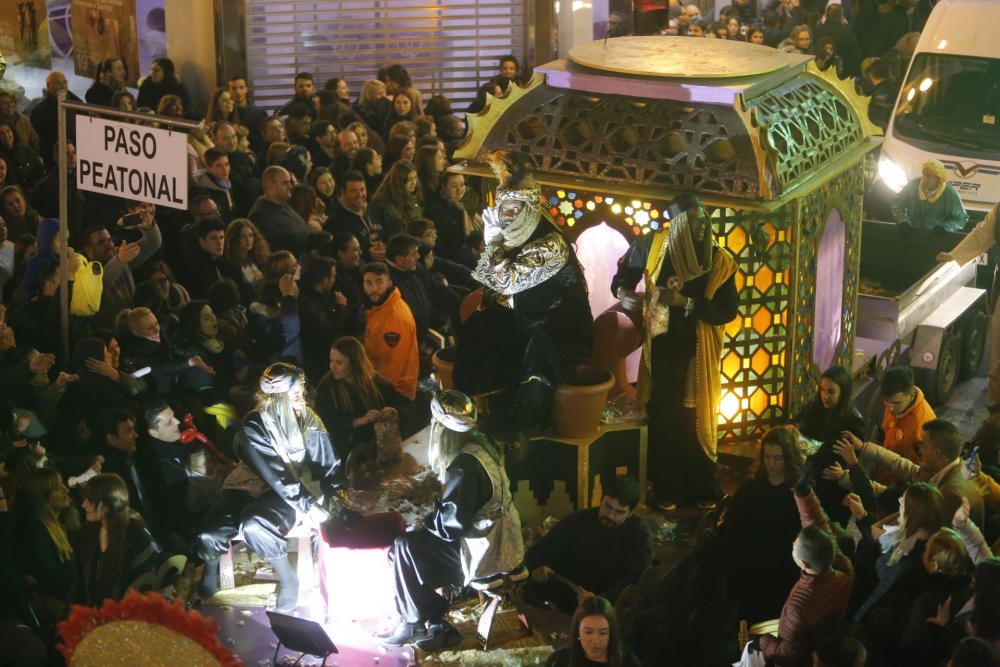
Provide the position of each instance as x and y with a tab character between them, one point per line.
515	176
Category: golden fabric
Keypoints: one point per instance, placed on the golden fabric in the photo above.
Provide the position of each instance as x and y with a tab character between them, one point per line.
703	384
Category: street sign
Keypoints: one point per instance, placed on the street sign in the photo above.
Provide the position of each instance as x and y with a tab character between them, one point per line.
132	161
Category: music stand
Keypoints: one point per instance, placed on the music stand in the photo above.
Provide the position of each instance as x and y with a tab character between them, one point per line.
302	635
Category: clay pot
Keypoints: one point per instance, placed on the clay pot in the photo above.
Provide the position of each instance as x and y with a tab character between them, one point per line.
580	400
444	366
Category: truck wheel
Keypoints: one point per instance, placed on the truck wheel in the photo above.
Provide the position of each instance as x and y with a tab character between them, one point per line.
974	332
940	382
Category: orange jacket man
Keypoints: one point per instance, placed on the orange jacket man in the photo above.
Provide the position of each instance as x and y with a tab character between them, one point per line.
390	332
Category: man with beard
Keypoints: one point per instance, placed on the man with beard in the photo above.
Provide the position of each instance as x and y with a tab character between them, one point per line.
345	149
536	326
390	331
287	469
474	533
250	116
304	89
690	296
598	551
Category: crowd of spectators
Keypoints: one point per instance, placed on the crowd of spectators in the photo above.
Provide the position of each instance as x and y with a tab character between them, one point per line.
311	236
332	235
869	40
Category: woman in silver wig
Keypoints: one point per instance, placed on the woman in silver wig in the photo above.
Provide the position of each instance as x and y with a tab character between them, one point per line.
287	468
474	533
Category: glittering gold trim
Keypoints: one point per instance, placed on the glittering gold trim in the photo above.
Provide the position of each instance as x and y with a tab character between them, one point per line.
482	123
128	643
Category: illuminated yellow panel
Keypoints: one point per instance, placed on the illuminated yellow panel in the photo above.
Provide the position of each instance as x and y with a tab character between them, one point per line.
775	359
740	280
746	363
774	399
734	327
777	318
744	404
762	321
761	360
561	194
758	402
728	407
764	278
730	364
736	241
750	281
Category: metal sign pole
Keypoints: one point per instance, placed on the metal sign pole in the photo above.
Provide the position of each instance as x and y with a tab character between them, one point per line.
144	118
63	230
63	106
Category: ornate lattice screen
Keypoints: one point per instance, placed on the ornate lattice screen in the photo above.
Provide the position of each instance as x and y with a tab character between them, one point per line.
755	361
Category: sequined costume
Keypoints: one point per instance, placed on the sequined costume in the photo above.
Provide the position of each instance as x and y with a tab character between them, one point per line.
536	326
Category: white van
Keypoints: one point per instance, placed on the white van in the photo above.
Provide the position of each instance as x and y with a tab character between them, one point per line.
949	105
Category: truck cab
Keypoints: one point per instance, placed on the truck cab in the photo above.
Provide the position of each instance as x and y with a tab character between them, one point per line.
949	106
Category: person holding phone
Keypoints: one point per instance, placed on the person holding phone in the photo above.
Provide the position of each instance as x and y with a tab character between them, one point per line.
121	261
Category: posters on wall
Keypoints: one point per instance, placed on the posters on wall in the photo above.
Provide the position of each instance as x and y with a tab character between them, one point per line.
24	33
152	25
104	29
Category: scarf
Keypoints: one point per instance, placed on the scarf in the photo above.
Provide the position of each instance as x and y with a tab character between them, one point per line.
703	384
936	168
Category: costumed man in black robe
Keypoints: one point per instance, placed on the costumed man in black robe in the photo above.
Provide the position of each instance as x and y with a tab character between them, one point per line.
287	468
536	326
690	296
473	534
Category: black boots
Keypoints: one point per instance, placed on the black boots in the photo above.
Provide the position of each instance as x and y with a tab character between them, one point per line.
288	584
406	633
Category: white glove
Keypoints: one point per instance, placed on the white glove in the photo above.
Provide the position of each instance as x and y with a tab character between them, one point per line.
492	231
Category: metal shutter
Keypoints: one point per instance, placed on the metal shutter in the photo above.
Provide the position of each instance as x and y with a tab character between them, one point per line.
450	47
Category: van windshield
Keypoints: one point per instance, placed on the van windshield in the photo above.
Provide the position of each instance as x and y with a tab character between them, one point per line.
951	104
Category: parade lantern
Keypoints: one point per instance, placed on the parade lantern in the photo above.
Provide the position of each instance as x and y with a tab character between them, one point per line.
777	151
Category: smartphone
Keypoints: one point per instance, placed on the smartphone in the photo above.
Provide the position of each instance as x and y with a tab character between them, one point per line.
972	458
132	220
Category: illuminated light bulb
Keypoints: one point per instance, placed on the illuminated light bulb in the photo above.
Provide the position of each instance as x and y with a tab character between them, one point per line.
616	209
911	94
925	84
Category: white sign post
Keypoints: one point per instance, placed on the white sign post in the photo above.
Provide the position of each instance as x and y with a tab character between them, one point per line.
132	161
